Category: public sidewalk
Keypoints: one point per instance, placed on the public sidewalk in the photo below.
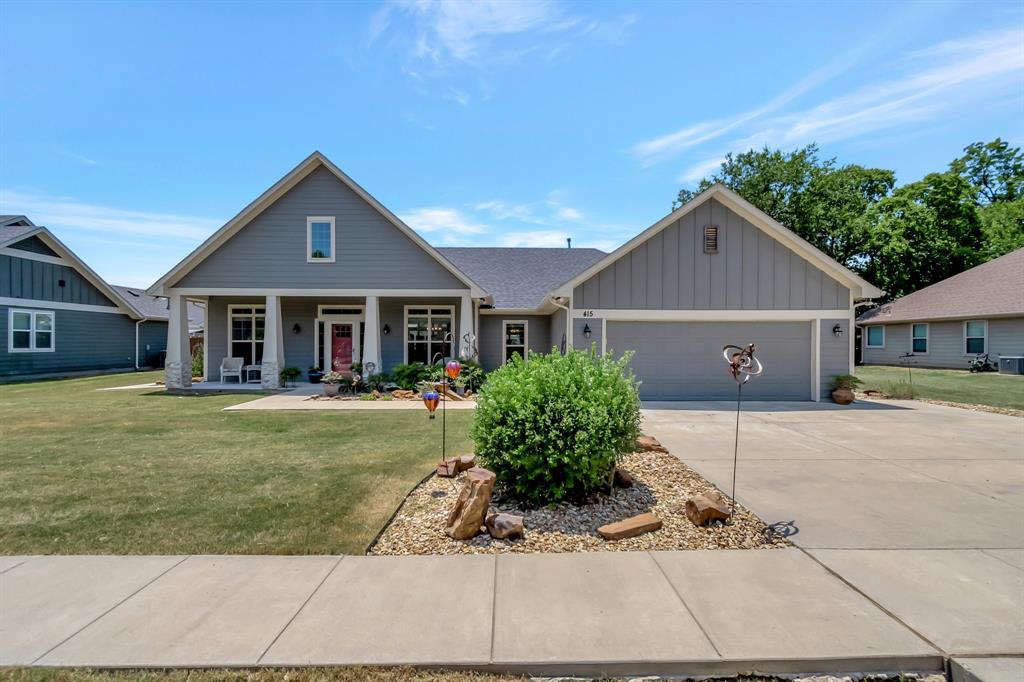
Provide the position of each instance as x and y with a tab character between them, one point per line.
608	613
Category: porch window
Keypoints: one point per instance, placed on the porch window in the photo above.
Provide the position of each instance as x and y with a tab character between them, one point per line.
975	337
320	239
919	338
876	337
515	335
246	327
426	329
31	331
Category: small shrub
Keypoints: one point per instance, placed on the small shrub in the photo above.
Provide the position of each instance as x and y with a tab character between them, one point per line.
334	378
197	361
368	396
552	428
901	390
289	374
472	375
407	376
846	381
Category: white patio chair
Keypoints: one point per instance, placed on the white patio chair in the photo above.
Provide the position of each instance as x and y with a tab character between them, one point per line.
231	367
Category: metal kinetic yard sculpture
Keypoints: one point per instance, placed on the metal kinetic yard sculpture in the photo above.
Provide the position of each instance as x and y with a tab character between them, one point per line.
741	365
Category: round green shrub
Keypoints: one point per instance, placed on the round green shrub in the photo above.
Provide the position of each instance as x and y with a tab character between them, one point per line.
552	428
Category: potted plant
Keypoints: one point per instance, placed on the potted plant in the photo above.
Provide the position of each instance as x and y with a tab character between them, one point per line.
315	374
289	375
843	387
332	382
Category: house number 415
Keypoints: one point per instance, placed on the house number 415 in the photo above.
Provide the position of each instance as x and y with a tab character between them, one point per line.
588	313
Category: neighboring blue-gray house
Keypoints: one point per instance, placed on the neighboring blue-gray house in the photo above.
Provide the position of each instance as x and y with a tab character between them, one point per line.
58	317
316	272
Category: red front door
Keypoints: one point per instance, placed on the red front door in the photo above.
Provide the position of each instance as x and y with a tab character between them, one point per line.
341	347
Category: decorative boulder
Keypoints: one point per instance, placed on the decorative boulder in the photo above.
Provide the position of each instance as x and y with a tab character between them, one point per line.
470	510
622	478
448	468
402	394
649	444
504	526
627	528
464	463
704	509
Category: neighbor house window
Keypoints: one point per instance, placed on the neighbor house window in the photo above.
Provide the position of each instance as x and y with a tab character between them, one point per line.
426	333
245	330
515	339
31	331
320	239
919	338
876	336
975	337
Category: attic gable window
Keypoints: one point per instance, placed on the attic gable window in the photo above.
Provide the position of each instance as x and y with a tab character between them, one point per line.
320	239
711	239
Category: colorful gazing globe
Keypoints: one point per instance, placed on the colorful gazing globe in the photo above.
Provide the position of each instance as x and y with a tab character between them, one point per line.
452	369
431	400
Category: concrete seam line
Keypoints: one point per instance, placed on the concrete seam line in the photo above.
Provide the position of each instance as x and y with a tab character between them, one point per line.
79	630
685	605
494	608
870	599
20	563
299	610
986	553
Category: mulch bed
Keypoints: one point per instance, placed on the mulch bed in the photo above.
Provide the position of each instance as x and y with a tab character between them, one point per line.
662	485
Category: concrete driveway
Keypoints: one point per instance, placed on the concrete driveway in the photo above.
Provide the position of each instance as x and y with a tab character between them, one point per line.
920	507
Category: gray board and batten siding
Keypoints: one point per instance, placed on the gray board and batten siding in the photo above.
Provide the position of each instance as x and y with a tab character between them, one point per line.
270	251
751	271
41	280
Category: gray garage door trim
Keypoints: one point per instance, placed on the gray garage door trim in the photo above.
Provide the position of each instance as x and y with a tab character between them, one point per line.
682	360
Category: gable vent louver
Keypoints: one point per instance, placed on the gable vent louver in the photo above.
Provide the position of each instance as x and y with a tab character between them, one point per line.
711	239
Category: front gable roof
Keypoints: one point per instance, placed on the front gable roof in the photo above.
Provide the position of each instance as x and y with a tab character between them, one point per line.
860	287
10	235
279	189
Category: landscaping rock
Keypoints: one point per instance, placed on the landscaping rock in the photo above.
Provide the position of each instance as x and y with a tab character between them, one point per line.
464	463
706	508
649	444
448	468
622	478
627	528
470	510
505	526
402	394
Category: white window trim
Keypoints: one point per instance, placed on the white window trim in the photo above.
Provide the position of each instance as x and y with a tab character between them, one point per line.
867	336
504	339
927	338
231	341
405	327
31	331
984	338
309	238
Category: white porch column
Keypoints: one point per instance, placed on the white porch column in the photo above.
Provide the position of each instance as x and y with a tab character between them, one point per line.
178	366
371	335
465	326
273	345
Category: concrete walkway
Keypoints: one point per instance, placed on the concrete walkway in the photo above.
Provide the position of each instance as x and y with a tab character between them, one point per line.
610	613
917	506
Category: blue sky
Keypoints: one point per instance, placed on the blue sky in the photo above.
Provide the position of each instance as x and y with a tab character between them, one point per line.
136	130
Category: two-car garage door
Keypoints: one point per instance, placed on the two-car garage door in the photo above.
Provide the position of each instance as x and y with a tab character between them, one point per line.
683	360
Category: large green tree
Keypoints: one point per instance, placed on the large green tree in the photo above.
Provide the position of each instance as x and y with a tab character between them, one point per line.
813	197
996	171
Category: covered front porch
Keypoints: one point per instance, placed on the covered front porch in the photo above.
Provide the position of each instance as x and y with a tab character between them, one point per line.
268	332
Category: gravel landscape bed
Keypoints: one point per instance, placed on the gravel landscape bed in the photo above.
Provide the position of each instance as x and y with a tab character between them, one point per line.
662	485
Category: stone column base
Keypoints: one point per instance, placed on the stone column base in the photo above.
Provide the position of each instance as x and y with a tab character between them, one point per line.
270	375
178	375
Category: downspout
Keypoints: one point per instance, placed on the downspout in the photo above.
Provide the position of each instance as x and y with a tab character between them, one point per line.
568	321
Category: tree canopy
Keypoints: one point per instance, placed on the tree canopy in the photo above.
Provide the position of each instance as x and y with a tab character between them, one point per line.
899	238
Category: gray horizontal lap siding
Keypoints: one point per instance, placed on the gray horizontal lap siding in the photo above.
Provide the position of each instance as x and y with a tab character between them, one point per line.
152	341
835	353
751	271
270	252
25	278
83	341
945	343
491	337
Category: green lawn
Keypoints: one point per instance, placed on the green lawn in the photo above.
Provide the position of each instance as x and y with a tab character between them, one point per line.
954	385
140	472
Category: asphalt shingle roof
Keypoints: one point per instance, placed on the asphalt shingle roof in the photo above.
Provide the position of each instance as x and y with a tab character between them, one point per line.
9	233
520	277
992	288
156	307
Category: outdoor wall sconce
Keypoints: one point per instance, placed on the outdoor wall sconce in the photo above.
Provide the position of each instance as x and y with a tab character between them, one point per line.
296	328
837	330
586	331
386	330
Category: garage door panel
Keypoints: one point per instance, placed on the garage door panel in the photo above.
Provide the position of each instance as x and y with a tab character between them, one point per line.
683	360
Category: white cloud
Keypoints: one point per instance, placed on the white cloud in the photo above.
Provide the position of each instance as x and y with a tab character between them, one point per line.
568	213
80	158
67	213
441	220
